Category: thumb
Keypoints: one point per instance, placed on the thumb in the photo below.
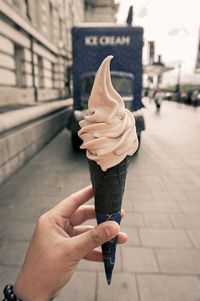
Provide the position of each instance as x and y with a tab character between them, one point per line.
84	243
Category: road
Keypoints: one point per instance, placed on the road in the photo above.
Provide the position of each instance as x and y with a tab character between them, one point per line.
161	260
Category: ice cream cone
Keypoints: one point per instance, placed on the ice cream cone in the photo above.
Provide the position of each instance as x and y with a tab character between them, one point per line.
108	187
109	136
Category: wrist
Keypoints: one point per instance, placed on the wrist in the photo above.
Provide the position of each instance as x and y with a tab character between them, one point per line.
9	294
27	293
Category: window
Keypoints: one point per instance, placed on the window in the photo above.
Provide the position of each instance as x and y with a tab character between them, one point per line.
123	85
51	28
86	84
34	12
60	29
19	63
53	74
40	72
21	5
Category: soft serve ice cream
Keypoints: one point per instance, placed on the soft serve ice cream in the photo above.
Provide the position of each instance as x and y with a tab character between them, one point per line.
108	130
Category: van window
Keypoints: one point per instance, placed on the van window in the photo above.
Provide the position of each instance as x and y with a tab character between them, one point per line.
123	85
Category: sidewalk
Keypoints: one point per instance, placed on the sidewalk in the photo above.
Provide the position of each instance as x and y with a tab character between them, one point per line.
161	260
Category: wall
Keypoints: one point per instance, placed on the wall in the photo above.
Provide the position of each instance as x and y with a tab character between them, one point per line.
99	11
35	49
19	144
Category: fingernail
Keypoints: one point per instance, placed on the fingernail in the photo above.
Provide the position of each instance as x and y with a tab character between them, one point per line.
111	230
108	230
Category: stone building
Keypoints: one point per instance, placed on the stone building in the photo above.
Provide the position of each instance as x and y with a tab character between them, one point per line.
35	60
35	48
35	45
100	11
197	65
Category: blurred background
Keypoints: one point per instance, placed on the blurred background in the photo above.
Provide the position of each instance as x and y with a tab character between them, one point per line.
36	55
174	28
46	76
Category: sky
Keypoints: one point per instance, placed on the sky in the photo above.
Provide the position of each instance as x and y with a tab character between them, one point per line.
174	26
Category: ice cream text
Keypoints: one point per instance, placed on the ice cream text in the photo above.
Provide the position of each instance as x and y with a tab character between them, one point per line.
107	40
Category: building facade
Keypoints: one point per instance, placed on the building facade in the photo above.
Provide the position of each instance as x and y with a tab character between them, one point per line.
99	11
197	65
35	46
35	62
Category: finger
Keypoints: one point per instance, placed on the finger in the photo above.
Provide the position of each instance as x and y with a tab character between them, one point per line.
121	238
69	205
82	214
85	213
122	213
82	229
95	255
84	243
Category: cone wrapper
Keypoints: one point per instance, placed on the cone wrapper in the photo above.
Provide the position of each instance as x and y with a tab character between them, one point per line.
108	187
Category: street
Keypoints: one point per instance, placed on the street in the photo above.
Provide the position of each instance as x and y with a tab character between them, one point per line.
161	260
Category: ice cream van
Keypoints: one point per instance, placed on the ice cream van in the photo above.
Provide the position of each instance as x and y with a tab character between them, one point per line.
91	44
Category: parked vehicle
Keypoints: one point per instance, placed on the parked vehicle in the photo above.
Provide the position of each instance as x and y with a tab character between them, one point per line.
184	97
195	98
91	44
168	96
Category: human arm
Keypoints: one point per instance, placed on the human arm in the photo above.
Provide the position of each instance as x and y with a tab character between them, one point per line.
58	244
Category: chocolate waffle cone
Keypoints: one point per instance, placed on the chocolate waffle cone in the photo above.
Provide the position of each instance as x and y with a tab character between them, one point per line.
108	187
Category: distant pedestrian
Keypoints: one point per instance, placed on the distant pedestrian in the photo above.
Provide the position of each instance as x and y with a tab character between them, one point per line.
157	99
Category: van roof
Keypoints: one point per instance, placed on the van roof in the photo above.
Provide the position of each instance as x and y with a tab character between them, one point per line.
89	25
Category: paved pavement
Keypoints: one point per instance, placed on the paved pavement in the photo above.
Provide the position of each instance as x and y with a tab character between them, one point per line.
161	260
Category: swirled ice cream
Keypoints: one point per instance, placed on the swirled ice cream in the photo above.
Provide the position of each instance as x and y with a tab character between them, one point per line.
108	130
